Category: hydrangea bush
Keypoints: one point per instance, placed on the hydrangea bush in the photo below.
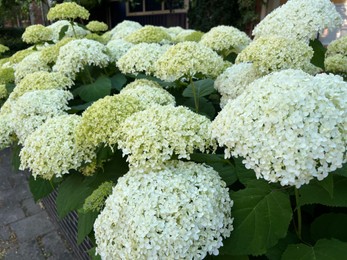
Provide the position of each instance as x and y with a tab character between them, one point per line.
174	144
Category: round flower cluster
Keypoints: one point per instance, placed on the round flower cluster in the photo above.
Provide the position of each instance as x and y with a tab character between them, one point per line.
73	30
49	54
288	126
140	58
5	131
148	92
153	136
37	34
233	81
336	56
117	48
100	122
30	64
96	26
3	48
173	31
67	11
276	53
3	91
51	149
33	108
225	39
186	59
188	35
96	201
96	37
76	54
6	75
148	34
41	80
123	29
20	55
300	20
180	212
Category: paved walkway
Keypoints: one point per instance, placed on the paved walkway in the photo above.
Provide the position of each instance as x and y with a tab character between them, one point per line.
26	231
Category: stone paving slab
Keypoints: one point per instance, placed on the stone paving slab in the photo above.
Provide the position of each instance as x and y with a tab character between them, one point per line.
26	231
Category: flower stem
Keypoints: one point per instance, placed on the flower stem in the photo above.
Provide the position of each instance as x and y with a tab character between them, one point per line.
73	29
196	101
298	211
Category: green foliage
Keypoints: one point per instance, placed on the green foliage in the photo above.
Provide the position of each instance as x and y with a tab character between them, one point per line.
40	188
85	224
96	90
331	225
319	53
12	38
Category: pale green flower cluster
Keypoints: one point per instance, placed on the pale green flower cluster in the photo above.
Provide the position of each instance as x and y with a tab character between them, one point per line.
76	54
336	56
180	212
33	108
96	37
289	126
270	54
233	81
20	55
123	29
3	48
173	31
101	121
140	58
186	59
149	34
96	201
5	131
117	48
96	26
188	35
67	11
153	136
3	91
298	19
51	149
50	53
225	39
73	30
37	33
41	80
148	92
30	64
6	75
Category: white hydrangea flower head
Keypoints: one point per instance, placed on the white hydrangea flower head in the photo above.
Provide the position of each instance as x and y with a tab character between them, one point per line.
19	56
225	39
117	48
338	46
188	35
5	131
76	31
41	80
233	81
68	11
149	34
96	26
337	64
123	29
298	19
6	75
30	64
173	31
152	136
33	108
180	212
50	53
186	59
140	58
37	33
101	121
270	54
148	92
289	126
51	149
76	54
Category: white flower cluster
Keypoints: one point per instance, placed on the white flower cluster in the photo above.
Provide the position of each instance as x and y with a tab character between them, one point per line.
33	108
233	81
117	48
225	39
148	92
270	54
5	131
76	31
76	54
336	56
298	19
180	212
3	91
51	149
186	59
123	29
153	136
37	33
188	35
140	58
149	34
289	126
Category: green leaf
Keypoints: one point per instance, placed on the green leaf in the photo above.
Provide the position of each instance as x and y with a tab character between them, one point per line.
319	53
261	218
81	107
226	257
91	253
62	32
206	108
245	175
276	252
323	250
40	188
341	171
331	225
318	192
94	91
85	224
15	159
200	88
118	81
